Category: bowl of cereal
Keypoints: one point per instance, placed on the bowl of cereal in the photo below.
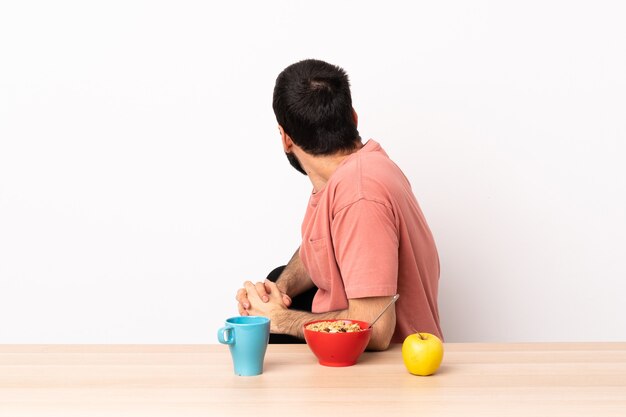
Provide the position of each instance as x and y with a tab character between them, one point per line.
337	342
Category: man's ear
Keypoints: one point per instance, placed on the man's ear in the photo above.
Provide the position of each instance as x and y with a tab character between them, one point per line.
286	139
355	117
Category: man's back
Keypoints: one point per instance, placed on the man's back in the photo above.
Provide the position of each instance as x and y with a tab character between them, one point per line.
364	235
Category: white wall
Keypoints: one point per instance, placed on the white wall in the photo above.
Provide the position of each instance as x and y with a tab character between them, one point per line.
142	178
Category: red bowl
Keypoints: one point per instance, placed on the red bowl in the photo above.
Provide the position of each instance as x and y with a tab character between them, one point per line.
338	349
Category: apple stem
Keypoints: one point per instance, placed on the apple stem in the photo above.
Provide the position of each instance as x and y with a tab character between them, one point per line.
420	336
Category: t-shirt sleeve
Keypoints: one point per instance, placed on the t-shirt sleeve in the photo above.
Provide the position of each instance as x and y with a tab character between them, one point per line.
365	240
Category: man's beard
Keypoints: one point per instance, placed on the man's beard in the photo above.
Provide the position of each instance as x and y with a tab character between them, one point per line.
293	160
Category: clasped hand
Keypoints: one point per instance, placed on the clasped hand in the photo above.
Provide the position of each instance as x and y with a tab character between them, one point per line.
261	299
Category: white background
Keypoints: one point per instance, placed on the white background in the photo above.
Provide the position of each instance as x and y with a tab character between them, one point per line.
142	178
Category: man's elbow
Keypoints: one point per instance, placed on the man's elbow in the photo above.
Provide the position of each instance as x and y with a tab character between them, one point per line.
379	342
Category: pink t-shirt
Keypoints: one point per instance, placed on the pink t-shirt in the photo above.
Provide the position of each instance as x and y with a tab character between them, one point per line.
364	235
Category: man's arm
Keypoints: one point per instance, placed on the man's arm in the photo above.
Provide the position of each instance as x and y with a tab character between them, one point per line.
291	322
294	280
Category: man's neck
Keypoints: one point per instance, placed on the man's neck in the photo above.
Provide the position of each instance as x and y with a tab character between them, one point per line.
321	168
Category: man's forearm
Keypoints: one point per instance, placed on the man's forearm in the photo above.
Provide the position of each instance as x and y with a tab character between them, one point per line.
292	321
365	309
294	279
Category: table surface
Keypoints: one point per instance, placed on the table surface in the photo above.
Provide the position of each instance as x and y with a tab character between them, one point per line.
535	379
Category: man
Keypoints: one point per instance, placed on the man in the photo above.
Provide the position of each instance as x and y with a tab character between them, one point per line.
364	237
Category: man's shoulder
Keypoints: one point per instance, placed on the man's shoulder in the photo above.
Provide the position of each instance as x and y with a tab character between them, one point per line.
370	176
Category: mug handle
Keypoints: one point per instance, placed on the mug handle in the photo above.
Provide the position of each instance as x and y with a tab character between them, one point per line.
231	335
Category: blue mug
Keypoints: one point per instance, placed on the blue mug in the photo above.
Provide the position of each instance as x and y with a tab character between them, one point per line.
247	338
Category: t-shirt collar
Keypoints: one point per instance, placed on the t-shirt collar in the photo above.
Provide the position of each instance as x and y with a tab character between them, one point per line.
370	146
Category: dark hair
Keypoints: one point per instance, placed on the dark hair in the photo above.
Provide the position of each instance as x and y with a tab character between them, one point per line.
312	103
